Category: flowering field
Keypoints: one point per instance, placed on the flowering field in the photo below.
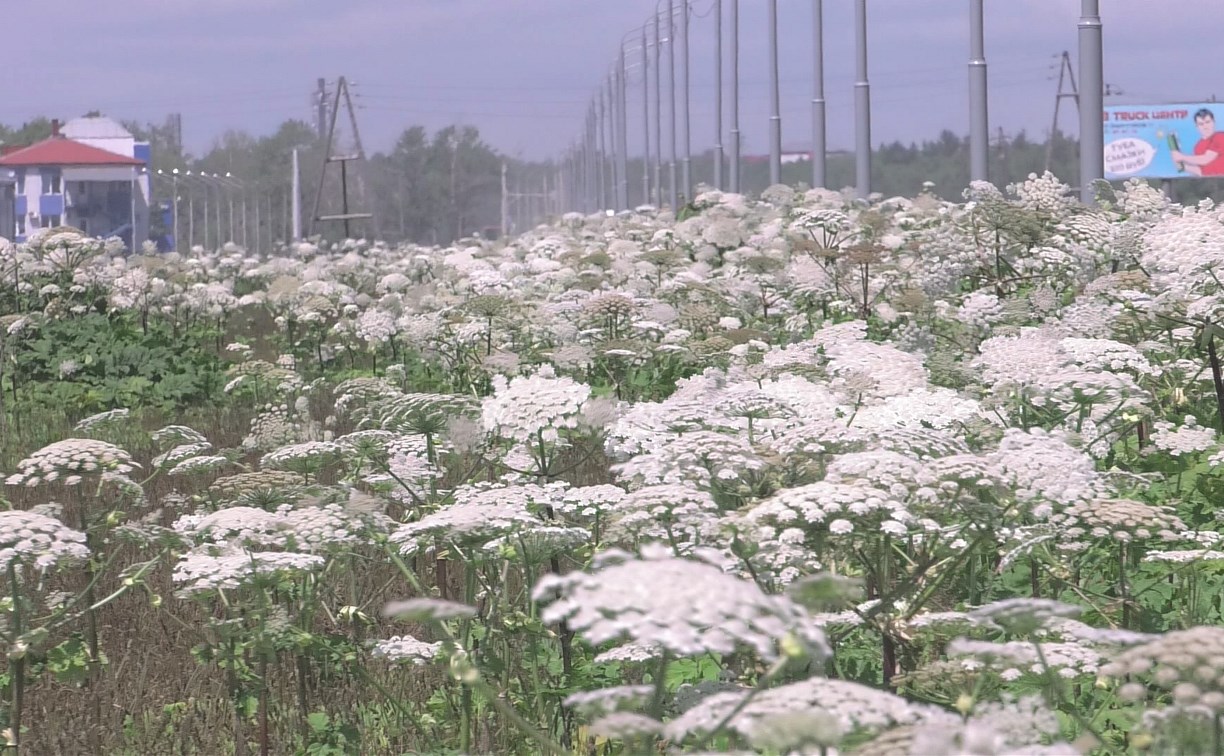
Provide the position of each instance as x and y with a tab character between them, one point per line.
792	475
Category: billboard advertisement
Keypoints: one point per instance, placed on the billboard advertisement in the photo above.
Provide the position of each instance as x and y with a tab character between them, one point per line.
1164	141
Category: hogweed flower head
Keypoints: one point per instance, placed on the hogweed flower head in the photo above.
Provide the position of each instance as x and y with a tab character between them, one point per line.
305	458
477	516
1187	663
534	408
707	611
232	488
102	419
1121	520
201	573
604	700
427	610
245	527
850	707
37	539
405	648
68	460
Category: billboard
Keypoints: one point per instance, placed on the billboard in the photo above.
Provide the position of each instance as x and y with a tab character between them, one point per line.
1164	141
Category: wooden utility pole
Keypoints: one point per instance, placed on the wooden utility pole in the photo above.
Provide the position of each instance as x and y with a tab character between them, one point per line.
321	108
1004	176
505	204
1066	75
345	215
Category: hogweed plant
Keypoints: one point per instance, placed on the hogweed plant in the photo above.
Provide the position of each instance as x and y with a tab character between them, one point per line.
796	474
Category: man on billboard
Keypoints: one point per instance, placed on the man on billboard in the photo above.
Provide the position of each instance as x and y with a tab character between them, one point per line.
1208	157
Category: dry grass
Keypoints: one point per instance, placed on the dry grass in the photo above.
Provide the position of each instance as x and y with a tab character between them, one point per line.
153	697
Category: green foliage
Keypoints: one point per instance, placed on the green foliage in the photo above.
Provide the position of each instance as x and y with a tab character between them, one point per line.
692	671
330	738
117	364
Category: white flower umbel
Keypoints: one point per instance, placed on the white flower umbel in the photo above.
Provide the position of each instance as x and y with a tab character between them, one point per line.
102	419
68	460
585	503
199	572
699	458
856	708
180	453
308	457
1185	439
1047	472
604	700
479	515
405	648
534	409
199	465
1189	663
315	529
427	610
178	435
239	526
1118	519
674	514
681	606
1013	659
36	539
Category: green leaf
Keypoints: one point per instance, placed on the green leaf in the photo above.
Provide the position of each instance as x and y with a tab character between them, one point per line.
318	721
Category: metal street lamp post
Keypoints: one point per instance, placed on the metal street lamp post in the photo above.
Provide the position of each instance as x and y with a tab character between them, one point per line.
658	113
622	134
775	100
718	96
645	121
686	165
979	128
862	104
1091	99
671	110
735	129
819	148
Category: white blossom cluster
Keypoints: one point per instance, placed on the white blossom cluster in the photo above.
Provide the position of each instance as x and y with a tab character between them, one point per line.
534	409
752	392
32	538
852	708
477	516
201	573
405	648
68	461
683	606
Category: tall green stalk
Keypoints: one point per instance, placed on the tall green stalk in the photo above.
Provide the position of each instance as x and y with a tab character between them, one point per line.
16	663
91	631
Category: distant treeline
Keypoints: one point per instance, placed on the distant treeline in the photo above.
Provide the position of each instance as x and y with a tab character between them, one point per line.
435	188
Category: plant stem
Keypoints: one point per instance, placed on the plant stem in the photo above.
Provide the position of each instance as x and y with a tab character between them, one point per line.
16	666
264	741
1055	687
91	634
465	694
769	676
1217	378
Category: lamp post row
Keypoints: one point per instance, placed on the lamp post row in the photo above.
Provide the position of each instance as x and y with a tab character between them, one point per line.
587	165
245	222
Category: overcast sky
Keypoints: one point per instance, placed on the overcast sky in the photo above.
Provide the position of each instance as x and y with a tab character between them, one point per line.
524	71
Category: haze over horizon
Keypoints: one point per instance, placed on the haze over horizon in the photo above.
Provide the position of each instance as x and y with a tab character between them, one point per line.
249	66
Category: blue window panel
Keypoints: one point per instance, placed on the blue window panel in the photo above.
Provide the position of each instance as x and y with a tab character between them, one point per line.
51	204
142	151
22	205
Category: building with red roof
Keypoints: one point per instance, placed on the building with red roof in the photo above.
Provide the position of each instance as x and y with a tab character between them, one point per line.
92	175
